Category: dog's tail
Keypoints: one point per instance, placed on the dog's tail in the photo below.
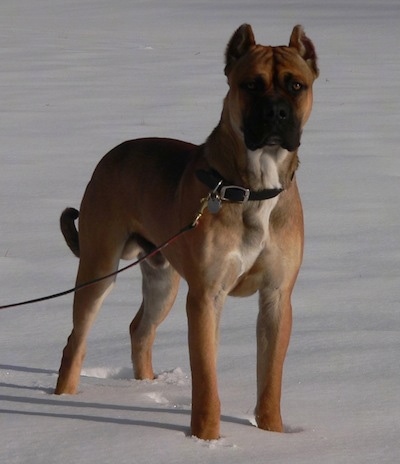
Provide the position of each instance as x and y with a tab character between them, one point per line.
68	229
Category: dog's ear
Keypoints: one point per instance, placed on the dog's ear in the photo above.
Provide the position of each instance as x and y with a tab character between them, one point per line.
305	47
240	43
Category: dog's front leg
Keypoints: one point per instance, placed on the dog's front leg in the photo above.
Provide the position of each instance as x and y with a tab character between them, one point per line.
203	313
273	333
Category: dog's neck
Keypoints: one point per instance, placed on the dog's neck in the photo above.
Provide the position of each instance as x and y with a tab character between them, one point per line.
265	168
270	167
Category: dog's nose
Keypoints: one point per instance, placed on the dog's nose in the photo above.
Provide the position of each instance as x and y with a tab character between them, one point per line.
277	111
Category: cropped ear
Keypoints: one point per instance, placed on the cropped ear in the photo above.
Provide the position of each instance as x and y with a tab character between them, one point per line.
240	43
305	47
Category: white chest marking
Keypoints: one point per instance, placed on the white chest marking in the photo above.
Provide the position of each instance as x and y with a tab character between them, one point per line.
263	167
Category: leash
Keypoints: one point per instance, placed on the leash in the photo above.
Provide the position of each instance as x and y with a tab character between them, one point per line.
185	229
221	191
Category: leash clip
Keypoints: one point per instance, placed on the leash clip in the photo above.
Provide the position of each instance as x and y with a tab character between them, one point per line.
203	206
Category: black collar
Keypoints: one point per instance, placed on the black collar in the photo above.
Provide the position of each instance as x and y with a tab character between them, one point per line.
234	193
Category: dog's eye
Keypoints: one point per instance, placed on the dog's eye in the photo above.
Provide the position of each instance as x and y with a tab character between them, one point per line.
251	86
296	86
254	85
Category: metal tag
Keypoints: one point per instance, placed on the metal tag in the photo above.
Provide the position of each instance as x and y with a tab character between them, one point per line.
214	204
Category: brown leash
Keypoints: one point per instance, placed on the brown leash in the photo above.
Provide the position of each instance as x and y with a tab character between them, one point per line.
135	263
212	202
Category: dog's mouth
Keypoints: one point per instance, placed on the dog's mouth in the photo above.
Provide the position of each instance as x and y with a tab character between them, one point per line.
273	140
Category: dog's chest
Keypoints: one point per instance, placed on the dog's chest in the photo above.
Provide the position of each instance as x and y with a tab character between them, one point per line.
256	236
249	257
256	245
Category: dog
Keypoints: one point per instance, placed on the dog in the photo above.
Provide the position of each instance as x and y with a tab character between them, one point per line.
248	239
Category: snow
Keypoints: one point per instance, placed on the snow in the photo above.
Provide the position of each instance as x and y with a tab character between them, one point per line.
78	77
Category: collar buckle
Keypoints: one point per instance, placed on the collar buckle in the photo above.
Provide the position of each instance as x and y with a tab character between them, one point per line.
234	193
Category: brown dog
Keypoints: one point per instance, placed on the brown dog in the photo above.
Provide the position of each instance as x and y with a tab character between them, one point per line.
249	239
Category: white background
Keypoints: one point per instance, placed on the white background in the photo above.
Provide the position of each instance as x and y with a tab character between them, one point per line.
77	78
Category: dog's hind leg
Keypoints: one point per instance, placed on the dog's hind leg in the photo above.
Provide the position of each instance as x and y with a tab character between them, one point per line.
87	302
159	287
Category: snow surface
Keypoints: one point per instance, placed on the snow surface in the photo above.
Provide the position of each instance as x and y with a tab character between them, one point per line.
76	78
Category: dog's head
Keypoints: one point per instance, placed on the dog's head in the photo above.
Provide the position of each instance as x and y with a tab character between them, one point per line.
270	95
